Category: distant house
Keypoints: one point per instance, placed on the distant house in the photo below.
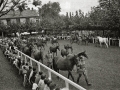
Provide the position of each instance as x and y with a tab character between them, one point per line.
17	17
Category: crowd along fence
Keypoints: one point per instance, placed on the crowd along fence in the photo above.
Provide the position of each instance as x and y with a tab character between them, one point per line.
39	65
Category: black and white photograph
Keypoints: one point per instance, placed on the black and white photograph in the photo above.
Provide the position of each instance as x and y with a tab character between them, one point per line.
59	44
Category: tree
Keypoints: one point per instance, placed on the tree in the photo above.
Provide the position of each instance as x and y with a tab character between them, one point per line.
8	5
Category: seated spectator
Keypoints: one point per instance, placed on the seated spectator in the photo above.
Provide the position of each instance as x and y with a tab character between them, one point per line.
41	83
38	77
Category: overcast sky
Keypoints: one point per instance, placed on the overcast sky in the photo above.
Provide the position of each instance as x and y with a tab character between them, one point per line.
73	5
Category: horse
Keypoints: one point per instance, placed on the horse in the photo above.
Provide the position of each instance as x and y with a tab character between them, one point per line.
37	54
102	40
40	44
54	40
64	52
67	47
75	38
27	49
68	63
53	49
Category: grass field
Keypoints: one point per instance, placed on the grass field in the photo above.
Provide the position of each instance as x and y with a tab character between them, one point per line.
103	67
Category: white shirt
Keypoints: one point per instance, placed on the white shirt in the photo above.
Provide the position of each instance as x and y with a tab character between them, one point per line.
41	84
34	86
46	88
31	73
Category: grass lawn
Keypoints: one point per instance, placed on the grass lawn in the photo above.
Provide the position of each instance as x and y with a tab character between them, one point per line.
103	67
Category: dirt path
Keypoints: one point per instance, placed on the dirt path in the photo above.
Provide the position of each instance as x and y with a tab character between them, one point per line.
9	78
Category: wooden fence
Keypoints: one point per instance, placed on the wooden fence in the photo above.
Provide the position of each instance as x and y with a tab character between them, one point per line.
67	81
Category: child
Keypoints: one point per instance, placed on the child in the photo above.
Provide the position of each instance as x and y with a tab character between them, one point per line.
38	77
41	83
34	86
47	83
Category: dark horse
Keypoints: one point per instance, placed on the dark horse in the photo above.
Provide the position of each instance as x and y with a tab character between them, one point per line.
40	44
74	39
67	64
54	40
68	46
37	54
27	49
53	49
85	39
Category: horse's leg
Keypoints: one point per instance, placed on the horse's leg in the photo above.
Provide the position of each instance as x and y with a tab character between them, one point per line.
68	74
79	78
71	75
86	79
100	44
106	44
56	53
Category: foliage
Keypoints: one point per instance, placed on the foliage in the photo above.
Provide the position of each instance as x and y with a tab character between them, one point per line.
7	5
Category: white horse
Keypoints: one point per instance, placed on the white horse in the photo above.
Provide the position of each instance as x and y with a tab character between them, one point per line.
102	40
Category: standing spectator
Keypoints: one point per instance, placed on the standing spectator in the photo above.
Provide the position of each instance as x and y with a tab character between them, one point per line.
49	59
31	73
81	70
32	78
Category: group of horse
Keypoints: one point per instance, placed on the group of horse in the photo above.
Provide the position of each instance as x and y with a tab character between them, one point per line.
65	62
87	39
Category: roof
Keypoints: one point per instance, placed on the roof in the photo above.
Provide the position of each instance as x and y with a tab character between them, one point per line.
24	14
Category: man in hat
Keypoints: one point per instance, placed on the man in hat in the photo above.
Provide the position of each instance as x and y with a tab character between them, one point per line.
81	70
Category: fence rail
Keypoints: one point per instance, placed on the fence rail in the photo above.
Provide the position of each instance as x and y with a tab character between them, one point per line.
67	81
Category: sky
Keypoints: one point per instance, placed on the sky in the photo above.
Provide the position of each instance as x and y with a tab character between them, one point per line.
73	5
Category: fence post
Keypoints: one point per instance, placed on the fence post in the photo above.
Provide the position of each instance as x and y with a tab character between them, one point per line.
30	62
21	56
18	52
93	40
25	59
49	73
67	85
119	42
109	41
38	67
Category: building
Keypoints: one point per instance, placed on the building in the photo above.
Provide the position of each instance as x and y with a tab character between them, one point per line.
17	17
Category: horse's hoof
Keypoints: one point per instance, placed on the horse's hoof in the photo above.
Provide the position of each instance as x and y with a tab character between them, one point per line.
89	84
